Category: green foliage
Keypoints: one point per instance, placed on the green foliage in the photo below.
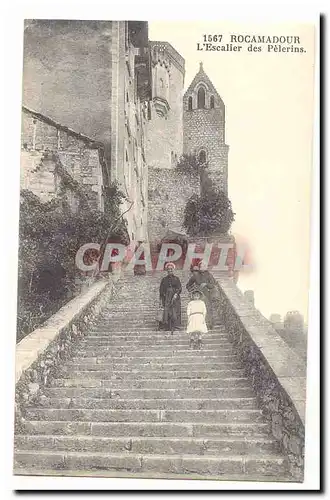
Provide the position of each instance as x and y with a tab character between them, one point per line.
210	213
50	235
189	164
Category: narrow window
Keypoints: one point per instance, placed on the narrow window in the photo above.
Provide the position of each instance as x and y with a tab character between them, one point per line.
201	98
212	101
190	103
202	156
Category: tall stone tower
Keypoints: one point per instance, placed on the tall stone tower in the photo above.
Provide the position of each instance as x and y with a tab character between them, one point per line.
165	134
168	190
204	127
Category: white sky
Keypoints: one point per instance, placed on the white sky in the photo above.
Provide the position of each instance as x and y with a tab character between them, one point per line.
269	129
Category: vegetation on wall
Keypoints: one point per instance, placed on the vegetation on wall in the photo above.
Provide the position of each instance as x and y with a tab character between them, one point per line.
49	236
190	165
209	212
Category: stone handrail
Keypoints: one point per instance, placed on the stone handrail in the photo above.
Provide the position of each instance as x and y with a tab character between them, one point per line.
38	354
277	374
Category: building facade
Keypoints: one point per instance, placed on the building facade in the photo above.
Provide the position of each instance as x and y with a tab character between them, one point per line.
168	189
106	82
94	78
204	123
130	104
165	133
57	162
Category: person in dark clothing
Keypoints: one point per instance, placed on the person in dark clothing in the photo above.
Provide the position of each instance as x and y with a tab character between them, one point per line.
203	281
169	294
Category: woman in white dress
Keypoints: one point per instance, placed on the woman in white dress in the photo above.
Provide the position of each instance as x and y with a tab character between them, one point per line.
196	312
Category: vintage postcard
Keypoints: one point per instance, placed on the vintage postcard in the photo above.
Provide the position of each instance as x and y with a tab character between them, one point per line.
163	266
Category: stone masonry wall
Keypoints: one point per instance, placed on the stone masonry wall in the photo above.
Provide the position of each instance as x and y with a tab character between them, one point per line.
128	126
49	152
134	172
168	192
67	73
277	374
165	133
204	129
39	353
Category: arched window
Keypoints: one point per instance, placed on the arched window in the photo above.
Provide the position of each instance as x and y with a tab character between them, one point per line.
190	103
202	156
201	98
212	101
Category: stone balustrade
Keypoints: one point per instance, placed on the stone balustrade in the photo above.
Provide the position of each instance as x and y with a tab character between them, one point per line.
39	353
278	375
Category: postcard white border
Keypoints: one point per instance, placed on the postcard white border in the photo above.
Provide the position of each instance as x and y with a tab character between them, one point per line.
16	11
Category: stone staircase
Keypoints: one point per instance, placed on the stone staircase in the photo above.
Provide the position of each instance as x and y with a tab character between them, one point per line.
136	402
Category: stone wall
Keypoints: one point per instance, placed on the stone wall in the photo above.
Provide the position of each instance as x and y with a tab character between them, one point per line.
277	374
165	132
134	171
168	192
129	120
51	152
67	73
204	127
39	353
204	130
296	340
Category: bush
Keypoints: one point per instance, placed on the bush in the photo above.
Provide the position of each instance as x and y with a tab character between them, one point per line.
207	214
190	165
49	237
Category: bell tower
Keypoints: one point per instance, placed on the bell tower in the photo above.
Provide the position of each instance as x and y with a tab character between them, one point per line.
204	127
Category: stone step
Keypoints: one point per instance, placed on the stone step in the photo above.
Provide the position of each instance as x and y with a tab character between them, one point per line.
141	344
137	313
146	445
146	321
160	338
120	308
159	360
95	364
150	404
177	393
103	374
142	350
135	400
165	429
140	314
126	322
179	464
130	318
132	415
130	353
154	343
232	382
122	329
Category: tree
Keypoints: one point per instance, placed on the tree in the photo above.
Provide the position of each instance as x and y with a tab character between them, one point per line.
190	165
209	213
49	237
